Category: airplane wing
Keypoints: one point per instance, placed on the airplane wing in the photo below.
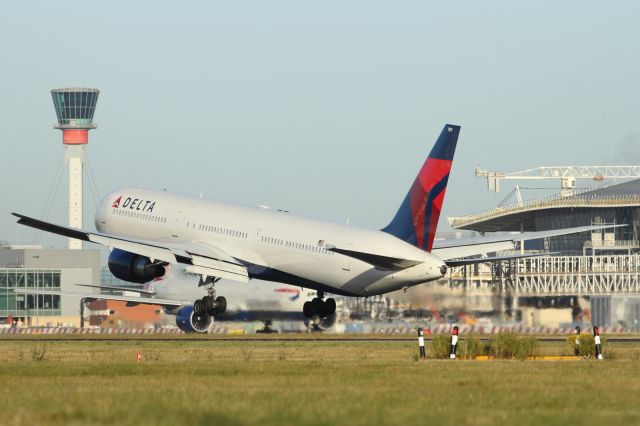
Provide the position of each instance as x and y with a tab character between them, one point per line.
129	299
465	247
119	288
199	258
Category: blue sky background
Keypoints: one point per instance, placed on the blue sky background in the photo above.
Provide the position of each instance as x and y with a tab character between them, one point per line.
324	108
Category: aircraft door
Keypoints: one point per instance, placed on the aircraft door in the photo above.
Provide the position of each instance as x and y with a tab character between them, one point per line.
256	241
343	270
178	225
345	261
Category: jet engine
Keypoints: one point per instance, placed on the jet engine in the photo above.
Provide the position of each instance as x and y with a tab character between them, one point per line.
321	324
327	322
134	268
190	322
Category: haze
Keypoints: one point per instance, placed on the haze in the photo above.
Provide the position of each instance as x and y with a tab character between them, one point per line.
327	109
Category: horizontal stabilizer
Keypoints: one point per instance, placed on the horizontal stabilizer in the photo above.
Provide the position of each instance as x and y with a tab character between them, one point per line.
464	247
383	263
476	260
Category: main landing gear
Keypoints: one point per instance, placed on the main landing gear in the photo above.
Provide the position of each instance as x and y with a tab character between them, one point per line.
210	304
319	307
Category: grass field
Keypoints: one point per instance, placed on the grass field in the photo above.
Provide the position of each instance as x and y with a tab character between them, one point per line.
306	383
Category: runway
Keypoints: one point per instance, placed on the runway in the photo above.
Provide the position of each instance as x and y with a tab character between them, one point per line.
275	339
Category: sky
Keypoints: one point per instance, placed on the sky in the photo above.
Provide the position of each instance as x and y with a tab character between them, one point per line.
327	109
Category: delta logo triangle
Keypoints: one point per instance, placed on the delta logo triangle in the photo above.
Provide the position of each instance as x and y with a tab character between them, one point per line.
116	203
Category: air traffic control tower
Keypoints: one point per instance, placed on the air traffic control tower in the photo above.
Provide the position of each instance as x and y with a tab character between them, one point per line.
74	109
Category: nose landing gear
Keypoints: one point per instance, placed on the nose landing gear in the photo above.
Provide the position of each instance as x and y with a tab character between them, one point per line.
319	307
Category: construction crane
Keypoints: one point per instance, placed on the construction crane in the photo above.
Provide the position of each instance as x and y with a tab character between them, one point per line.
566	174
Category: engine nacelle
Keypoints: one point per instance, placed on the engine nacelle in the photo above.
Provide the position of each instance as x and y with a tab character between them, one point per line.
327	322
190	322
134	268
321	324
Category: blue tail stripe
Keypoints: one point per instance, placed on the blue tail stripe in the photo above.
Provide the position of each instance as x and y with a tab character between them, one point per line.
441	186
402	224
445	146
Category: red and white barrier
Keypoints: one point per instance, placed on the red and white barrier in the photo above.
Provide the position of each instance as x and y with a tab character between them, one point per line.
596	340
454	342
423	353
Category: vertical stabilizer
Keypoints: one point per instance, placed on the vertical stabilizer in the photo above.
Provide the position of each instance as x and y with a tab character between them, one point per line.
417	219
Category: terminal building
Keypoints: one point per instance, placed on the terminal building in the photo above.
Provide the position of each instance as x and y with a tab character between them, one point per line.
590	276
612	205
31	267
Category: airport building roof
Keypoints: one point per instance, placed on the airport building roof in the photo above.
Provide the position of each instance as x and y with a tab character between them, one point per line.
521	216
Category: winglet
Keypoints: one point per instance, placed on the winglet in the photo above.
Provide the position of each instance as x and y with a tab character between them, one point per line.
50	227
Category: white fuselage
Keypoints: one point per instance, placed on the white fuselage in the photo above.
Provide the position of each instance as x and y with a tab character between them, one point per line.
274	245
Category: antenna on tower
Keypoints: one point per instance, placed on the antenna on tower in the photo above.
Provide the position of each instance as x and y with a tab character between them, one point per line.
74	108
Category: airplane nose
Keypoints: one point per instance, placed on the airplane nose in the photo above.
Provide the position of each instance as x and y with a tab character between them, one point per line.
443	269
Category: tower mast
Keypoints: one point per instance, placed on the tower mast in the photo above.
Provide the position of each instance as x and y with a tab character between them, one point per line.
74	108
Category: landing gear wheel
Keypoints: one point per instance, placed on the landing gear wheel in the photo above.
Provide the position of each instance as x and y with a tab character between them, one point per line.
221	305
307	309
316	303
330	305
208	304
198	309
322	309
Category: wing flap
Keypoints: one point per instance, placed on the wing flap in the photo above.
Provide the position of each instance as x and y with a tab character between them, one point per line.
174	253
384	263
148	250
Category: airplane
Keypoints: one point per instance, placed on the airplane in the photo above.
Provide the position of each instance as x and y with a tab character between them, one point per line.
147	230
